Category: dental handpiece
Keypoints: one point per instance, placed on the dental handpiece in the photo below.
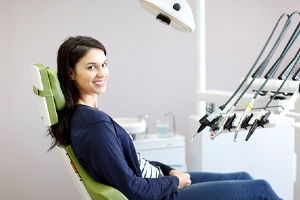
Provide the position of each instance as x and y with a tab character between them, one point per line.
245	114
260	120
214	135
207	120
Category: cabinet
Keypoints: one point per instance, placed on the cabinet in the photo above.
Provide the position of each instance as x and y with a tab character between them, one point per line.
170	151
269	154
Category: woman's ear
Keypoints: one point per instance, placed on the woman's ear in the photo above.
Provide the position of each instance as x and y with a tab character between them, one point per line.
72	74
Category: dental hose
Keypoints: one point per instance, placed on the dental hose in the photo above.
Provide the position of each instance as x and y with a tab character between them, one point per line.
264	114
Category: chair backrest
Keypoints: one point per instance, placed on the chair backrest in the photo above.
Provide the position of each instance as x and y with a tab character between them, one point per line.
50	100
95	189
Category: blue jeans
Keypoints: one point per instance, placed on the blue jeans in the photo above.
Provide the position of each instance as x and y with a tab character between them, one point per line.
229	186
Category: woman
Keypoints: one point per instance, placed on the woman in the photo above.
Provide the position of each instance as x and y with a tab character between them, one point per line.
106	150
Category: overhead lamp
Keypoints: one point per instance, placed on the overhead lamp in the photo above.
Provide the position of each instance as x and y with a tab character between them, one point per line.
176	13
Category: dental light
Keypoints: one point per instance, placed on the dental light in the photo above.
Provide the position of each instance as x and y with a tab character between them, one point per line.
176	13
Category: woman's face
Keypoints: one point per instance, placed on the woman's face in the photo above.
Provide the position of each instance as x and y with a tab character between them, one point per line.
91	73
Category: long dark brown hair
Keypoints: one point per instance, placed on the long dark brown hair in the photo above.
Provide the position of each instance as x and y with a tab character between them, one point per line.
69	53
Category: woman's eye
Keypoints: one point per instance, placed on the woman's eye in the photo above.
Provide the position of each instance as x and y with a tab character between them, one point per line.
92	67
104	65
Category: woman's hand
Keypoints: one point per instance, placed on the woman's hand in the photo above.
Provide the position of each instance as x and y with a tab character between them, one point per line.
184	178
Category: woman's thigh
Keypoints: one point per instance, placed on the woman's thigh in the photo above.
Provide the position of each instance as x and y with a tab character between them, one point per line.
200	177
227	189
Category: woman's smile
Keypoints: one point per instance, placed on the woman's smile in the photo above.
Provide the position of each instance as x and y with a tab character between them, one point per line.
100	83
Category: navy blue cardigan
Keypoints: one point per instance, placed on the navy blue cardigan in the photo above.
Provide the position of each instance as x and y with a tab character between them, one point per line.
107	153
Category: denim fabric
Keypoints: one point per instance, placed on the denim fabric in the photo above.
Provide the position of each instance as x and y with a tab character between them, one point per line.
229	186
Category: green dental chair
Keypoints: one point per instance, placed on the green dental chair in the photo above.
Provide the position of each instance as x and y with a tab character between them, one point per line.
50	99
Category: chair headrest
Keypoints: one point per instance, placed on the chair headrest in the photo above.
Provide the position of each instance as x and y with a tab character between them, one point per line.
47	88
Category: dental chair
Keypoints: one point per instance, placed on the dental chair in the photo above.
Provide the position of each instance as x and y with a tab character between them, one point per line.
50	100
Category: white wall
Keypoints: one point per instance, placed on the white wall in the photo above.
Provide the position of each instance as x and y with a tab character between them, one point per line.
236	31
152	71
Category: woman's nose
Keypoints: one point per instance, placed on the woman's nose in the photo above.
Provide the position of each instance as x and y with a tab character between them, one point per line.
100	74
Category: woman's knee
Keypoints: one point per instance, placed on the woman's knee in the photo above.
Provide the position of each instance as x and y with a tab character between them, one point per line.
263	184
265	188
244	176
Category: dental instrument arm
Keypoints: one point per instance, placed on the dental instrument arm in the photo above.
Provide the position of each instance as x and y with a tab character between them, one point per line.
209	120
257	74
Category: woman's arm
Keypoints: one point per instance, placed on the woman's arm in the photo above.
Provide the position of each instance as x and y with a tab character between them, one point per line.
184	178
108	163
